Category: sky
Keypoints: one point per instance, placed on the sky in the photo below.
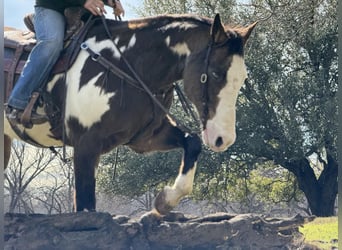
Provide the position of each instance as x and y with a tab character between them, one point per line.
15	10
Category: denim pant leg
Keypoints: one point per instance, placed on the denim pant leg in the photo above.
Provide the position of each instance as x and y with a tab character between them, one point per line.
49	26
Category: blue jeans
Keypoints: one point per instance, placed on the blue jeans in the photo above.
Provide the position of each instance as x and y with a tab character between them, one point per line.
49	26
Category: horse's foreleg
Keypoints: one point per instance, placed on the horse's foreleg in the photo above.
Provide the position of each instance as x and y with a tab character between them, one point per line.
86	156
170	196
7	150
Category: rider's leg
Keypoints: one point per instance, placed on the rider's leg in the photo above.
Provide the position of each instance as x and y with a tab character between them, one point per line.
49	27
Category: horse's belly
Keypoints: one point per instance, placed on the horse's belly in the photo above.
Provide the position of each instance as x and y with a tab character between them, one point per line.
39	133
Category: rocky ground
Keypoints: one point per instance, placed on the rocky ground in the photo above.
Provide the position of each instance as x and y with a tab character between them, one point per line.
175	231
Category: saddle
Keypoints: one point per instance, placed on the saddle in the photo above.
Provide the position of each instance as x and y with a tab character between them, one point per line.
18	45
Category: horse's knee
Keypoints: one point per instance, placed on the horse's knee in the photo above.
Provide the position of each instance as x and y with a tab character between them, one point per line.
193	143
7	150
192	148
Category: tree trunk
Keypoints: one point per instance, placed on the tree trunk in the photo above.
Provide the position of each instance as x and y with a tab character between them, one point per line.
321	193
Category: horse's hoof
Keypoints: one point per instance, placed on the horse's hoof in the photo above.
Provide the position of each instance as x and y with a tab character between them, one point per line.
161	205
175	217
152	217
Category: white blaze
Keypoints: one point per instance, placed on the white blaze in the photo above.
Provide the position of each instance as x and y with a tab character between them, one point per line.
222	125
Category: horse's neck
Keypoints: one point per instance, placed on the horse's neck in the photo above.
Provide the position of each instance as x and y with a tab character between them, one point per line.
180	38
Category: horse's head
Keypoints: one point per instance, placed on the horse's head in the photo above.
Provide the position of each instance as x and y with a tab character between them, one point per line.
212	80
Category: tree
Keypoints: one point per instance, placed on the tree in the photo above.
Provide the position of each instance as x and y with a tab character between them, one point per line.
288	111
37	180
203	7
20	173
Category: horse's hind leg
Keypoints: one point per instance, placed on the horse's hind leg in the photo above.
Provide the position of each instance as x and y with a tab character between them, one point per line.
7	150
169	198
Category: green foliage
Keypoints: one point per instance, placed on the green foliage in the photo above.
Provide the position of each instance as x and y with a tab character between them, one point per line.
322	232
261	188
131	174
273	184
292	81
206	8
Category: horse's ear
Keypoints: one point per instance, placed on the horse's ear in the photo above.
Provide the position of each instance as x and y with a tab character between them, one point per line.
217	30
246	32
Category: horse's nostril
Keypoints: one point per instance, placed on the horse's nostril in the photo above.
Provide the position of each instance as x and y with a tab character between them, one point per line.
219	142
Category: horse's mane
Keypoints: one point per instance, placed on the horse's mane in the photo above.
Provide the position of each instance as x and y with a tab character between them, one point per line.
159	21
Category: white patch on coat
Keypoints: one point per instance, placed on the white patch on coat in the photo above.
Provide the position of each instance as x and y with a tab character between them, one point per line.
167	41
98	46
131	44
88	103
51	84
222	125
132	41
116	40
180	49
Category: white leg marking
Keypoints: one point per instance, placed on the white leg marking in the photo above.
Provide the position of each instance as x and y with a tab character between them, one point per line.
182	186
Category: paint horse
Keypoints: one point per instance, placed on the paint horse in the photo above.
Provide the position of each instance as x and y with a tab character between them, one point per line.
104	109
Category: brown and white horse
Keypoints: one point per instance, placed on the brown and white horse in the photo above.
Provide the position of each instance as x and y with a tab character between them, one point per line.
104	109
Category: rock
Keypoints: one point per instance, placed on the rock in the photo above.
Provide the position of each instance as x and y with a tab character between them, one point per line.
93	230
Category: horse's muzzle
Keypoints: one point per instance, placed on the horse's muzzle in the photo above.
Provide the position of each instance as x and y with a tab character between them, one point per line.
216	141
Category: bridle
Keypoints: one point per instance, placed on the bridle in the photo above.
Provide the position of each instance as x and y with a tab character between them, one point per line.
204	79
